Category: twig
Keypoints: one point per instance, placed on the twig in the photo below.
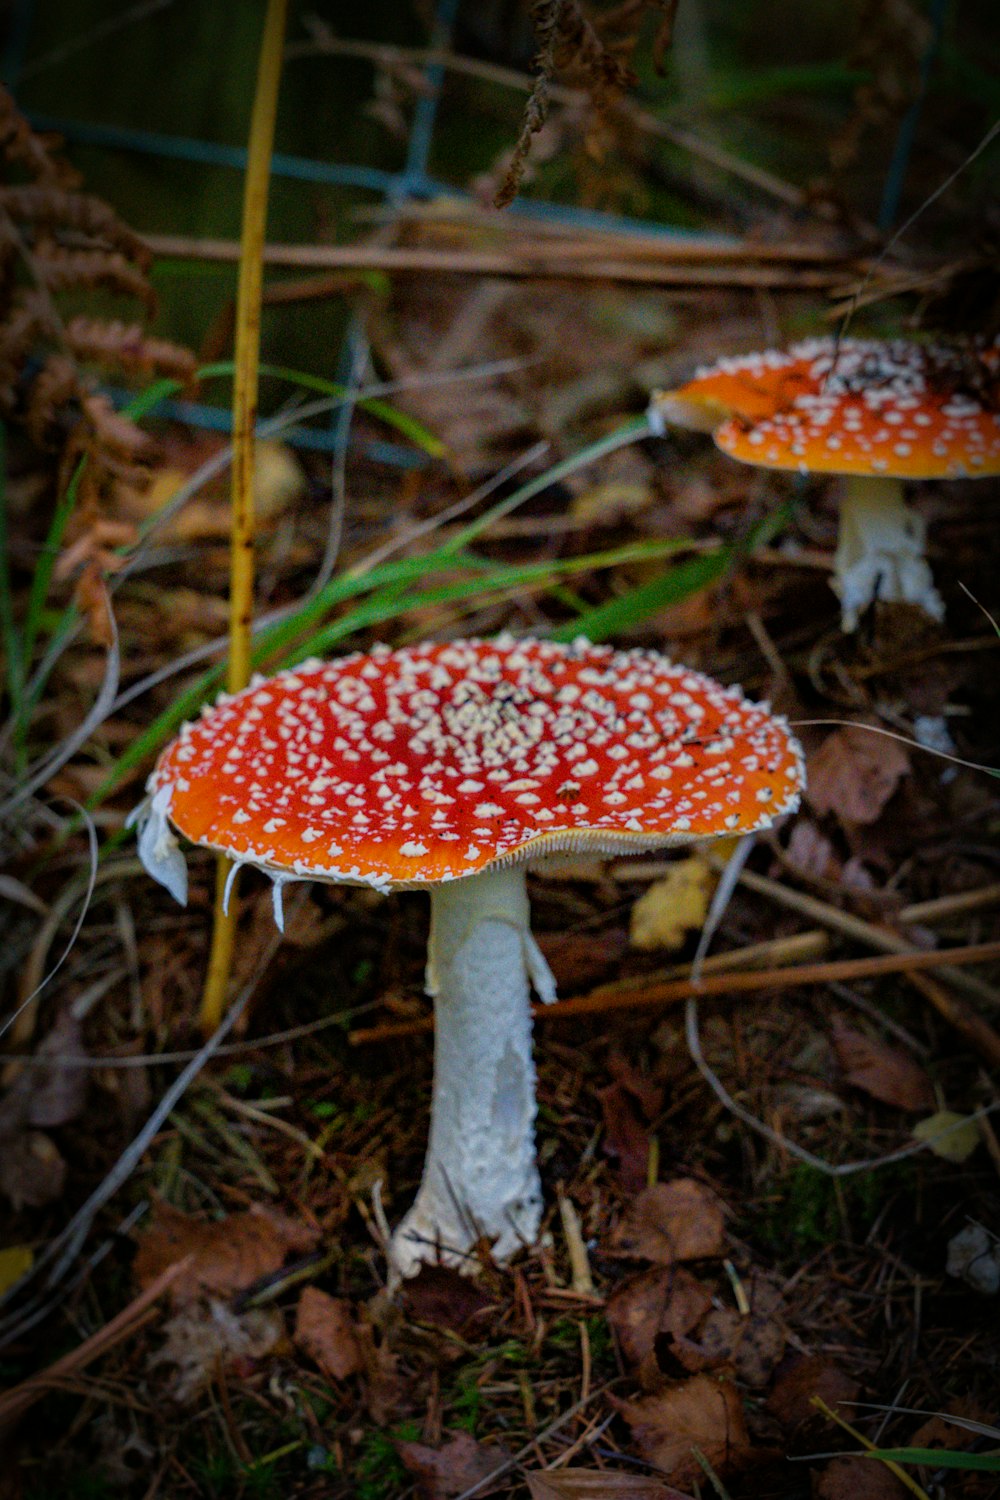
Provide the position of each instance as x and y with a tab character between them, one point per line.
15	1402
638	995
676	267
882	939
541	1437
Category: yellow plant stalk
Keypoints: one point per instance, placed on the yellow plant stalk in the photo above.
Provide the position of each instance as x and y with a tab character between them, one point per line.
247	362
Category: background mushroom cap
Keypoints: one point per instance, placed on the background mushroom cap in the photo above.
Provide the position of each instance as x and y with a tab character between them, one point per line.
861	406
404	768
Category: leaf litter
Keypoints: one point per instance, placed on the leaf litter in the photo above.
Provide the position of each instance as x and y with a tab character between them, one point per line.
496	1362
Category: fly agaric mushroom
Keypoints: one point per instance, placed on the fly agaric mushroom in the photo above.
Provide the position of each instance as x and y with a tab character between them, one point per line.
447	768
878	413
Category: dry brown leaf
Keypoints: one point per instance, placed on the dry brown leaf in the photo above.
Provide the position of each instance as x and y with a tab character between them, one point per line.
203	1339
32	1171
703	1413
854	773
803	1377
671	1221
885	1073
811	852
664	1300
447	1471
674	906
596	1484
857	1479
443	1296
59	1091
626	1139
228	1254
752	1344
324	1329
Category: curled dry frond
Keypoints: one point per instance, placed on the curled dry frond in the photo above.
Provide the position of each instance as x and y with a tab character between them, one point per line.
36	153
62	269
128	347
586	54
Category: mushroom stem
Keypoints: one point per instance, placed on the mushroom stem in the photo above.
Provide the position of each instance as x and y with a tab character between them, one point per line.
880	551
480	1177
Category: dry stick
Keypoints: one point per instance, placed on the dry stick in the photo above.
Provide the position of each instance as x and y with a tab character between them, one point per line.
631	995
675	268
954	1010
141	1310
241	568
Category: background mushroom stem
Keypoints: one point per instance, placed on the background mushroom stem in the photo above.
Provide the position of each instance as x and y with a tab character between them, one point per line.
480	1177
880	551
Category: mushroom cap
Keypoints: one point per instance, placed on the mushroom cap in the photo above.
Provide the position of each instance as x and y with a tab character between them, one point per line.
858	406
405	768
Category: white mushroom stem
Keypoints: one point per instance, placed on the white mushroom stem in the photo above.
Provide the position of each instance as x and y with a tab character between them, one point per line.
880	551
480	1176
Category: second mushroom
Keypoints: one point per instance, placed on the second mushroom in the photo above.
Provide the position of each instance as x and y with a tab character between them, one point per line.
448	768
878	413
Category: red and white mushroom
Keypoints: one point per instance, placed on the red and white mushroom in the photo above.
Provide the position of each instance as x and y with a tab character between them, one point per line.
879	413
449	767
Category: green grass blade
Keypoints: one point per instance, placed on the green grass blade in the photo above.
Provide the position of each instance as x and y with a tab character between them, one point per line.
629	432
624	613
939	1458
408	426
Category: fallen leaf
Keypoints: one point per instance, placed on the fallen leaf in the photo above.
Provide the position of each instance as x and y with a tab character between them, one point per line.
443	1296
811	852
324	1329
857	1479
15	1261
950	1136
596	1484
885	1073
664	1300
854	773
703	1413
203	1338
228	1254
753	1345
939	1432
674	906
59	1090
671	1221
447	1471
626	1140
802	1377
32	1171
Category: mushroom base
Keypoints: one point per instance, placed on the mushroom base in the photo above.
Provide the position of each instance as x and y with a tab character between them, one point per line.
880	552
480	1177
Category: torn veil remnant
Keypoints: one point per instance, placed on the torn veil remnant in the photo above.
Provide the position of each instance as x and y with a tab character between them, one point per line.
879	413
448	767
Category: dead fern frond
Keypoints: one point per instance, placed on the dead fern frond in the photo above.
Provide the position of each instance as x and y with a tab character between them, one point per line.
625	21
51	208
27	323
56	385
36	153
115	433
568	45
125	346
62	270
